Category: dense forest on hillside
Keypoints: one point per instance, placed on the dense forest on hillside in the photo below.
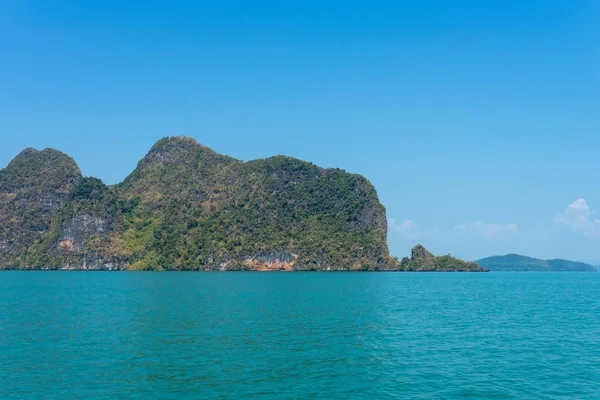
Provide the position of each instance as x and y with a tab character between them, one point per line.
187	207
515	262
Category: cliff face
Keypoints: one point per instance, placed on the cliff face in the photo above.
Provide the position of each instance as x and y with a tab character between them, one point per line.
188	207
32	188
84	233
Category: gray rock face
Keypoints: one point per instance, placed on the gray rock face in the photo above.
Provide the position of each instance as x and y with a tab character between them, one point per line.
51	202
274	257
94	264
79	229
420	253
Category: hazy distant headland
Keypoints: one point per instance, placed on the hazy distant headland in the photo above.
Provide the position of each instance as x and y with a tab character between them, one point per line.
187	207
516	262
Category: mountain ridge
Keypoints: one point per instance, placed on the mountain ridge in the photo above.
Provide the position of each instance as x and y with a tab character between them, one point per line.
517	262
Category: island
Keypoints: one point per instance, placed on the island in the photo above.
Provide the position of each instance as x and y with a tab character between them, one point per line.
423	260
516	262
187	207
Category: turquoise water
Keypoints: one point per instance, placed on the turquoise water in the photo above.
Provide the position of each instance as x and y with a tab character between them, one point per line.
130	335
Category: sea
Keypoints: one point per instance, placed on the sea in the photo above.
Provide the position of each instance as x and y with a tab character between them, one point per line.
313	335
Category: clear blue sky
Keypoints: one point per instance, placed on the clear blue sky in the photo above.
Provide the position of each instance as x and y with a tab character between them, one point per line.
477	121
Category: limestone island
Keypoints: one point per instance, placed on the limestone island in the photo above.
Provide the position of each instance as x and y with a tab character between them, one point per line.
187	207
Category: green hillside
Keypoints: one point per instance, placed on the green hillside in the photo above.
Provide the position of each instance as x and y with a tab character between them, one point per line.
187	207
515	262
423	260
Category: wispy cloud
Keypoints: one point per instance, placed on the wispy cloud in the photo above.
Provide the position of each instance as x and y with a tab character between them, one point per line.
406	228
488	231
579	216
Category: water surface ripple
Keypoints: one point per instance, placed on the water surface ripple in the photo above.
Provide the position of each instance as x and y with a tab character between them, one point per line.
131	335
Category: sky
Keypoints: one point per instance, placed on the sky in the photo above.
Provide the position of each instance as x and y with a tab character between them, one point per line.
478	122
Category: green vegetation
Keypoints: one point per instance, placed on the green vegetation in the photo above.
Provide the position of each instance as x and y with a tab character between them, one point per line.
423	260
515	262
32	188
187	207
195	208
84	232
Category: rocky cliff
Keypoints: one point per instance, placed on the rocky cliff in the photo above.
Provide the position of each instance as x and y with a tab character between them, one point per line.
187	207
33	189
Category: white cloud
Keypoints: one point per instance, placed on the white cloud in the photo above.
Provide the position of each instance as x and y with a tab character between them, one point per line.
579	216
406	228
488	230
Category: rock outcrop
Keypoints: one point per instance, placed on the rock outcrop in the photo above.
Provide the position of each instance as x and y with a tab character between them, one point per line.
423	260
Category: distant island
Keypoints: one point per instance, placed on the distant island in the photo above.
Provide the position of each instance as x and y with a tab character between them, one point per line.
516	262
187	207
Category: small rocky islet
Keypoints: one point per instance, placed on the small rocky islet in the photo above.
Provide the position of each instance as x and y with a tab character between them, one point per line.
187	207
